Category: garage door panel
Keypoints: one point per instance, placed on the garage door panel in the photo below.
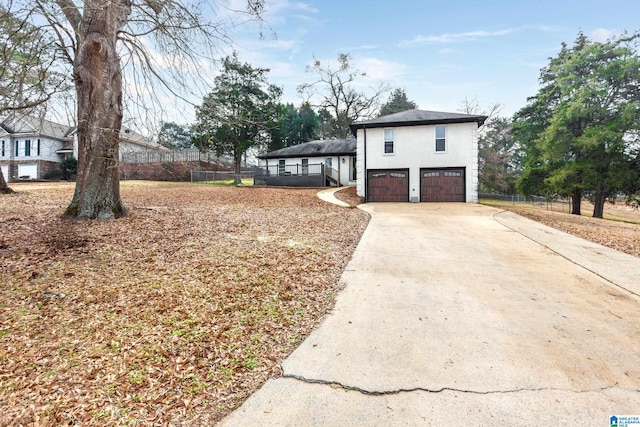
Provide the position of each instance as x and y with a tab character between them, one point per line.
390	185
442	185
28	171
5	172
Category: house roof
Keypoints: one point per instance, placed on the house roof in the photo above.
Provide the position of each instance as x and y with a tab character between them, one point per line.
132	137
31	125
417	117
317	148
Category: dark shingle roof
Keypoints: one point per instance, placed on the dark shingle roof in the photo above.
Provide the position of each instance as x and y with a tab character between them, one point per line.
418	117
319	148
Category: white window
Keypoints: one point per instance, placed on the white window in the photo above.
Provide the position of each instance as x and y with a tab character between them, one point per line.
281	167
388	141
2	153
17	148
441	140
27	147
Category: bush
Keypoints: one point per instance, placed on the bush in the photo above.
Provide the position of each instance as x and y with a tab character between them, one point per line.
69	167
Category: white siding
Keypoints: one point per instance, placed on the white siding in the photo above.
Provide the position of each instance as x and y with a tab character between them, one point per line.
48	149
414	148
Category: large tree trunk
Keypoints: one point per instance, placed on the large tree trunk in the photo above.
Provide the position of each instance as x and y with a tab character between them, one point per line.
4	188
237	168
98	79
576	201
599	200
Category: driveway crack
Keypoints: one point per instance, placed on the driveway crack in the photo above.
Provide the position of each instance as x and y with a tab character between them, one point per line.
337	384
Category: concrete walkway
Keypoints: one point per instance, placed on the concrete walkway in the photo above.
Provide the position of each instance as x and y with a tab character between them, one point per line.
329	195
461	314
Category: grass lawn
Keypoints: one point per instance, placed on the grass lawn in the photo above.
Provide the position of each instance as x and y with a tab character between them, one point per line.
229	182
171	315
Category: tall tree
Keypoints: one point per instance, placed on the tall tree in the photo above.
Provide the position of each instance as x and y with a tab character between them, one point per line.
397	103
28	78
97	38
293	126
335	90
237	114
498	157
580	131
175	136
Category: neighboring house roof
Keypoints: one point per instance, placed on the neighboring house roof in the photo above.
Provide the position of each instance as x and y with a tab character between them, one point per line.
417	117
318	148
30	125
133	137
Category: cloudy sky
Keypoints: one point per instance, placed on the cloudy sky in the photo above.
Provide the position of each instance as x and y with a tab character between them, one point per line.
440	52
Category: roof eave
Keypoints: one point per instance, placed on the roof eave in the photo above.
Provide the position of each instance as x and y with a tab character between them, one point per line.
478	119
303	155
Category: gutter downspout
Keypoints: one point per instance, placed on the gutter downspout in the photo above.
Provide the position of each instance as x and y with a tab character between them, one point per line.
364	173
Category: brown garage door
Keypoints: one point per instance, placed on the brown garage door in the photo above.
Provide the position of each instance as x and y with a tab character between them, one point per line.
388	185
442	185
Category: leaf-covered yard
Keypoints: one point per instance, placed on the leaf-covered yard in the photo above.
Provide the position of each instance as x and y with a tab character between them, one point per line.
171	315
620	232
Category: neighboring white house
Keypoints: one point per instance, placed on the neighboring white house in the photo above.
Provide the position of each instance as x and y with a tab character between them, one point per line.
311	164
31	148
134	147
418	155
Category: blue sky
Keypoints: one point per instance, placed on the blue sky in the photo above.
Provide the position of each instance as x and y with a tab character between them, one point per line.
439	52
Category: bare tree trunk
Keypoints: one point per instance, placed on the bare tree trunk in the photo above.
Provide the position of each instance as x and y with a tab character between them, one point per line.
4	188
576	201
599	201
237	170
98	79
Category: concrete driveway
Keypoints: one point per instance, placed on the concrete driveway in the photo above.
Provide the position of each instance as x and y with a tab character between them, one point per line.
458	314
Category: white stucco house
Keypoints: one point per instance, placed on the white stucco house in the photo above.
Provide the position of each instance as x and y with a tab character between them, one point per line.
318	163
418	156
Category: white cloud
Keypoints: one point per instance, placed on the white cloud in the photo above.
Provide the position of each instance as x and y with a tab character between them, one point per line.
603	34
277	11
457	37
379	69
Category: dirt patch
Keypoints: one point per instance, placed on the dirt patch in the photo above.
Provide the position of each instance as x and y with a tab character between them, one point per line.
172	315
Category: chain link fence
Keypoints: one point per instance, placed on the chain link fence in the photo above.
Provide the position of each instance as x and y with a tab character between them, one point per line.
212	176
551	204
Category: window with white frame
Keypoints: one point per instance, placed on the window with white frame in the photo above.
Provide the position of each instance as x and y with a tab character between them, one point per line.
17	148
441	139
27	147
388	141
38	149
2	153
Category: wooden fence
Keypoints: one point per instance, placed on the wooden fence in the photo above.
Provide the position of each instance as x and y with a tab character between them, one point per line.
172	156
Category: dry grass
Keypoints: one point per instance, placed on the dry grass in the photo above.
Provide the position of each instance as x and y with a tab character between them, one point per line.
172	315
619	230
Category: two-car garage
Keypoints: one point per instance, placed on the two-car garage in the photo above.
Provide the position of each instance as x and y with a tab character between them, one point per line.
436	185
